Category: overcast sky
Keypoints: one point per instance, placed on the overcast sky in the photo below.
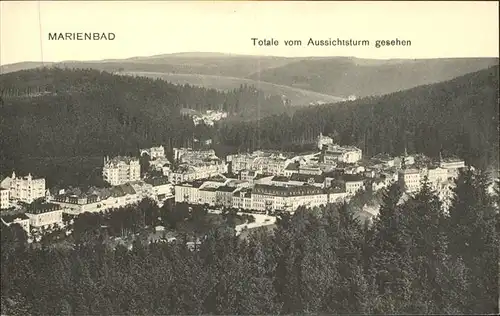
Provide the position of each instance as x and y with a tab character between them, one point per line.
142	28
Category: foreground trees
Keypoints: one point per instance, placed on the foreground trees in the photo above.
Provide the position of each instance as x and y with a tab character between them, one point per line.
413	259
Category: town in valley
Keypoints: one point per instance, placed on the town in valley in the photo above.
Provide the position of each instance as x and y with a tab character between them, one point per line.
262	183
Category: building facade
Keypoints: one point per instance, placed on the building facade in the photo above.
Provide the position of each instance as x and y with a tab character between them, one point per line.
410	179
345	154
24	189
269	197
154	152
324	141
45	215
120	170
4	198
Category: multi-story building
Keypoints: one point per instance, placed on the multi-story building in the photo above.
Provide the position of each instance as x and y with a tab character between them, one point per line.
187	173
324	141
195	165
241	162
336	195
46	215
310	169
197	192
309	179
410	179
143	189
224	196
242	199
154	152
291	169
270	165
437	176
269	197
189	155
98	200
4	198
24	189
353	183
453	165
247	175
121	170
346	154
160	164
259	161
162	189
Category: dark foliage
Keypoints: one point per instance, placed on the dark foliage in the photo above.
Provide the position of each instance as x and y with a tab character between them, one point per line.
456	117
415	259
70	119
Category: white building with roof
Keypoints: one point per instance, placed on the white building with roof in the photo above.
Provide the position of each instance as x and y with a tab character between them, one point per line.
4	198
324	141
154	152
24	189
410	179
45	215
346	154
120	170
453	165
98	200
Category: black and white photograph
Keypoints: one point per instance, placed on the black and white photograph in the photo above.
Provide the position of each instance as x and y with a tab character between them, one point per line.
249	158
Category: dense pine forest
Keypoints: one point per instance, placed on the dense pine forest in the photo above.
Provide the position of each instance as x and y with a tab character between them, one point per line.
458	117
69	119
413	259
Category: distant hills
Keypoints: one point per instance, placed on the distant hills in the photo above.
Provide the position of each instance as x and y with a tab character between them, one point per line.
57	113
361	77
320	79
296	96
454	117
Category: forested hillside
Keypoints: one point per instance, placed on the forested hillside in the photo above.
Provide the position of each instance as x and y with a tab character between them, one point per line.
363	77
334	76
457	117
72	113
58	114
414	259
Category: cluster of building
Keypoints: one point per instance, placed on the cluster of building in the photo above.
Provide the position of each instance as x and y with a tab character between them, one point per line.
260	181
120	170
191	165
279	181
20	189
208	118
157	158
26	201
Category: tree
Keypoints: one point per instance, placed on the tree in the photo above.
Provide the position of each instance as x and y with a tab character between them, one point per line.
473	238
425	230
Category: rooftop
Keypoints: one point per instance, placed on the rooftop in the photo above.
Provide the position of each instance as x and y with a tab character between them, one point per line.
157	181
36	208
409	171
9	218
119	159
286	191
293	166
122	190
352	177
280	179
307	178
225	188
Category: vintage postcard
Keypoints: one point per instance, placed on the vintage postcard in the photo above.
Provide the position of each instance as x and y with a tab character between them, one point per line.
249	157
